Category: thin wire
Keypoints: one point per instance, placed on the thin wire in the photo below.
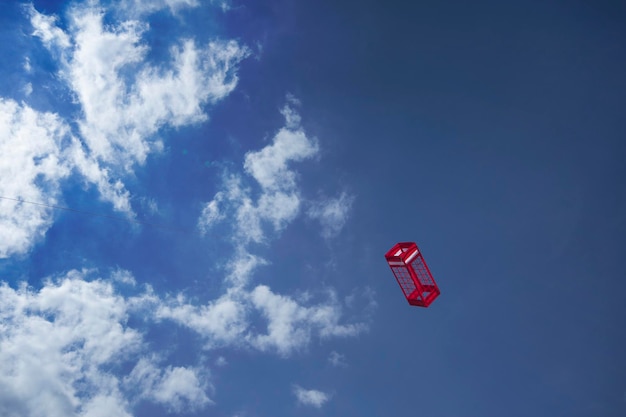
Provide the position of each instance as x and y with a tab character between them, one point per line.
90	213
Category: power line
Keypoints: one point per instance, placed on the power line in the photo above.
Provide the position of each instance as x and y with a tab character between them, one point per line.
90	213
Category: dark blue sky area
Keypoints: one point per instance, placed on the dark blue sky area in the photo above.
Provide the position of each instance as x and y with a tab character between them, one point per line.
493	135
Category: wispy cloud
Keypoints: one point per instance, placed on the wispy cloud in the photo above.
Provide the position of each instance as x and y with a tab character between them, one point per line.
27	89
143	7
332	214
270	166
221	322
291	324
337	359
27	67
279	201
227	321
261	204
310	397
177	388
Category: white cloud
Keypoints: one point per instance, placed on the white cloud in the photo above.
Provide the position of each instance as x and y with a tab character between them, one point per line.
241	267
62	348
279	208
228	320
93	172
65	342
139	7
177	388
122	113
31	167
270	165
279	201
180	387
221	322
124	277
46	29
337	359
150	205
287	326
27	89
224	5
332	214
148	6
124	101
310	397
211	214
290	324
104	405
55	343
27	67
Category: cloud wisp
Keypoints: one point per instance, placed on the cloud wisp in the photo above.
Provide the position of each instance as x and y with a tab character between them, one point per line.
337	359
279	200
310	397
332	214
257	217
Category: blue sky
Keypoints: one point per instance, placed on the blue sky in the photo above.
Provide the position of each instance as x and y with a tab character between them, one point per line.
277	150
